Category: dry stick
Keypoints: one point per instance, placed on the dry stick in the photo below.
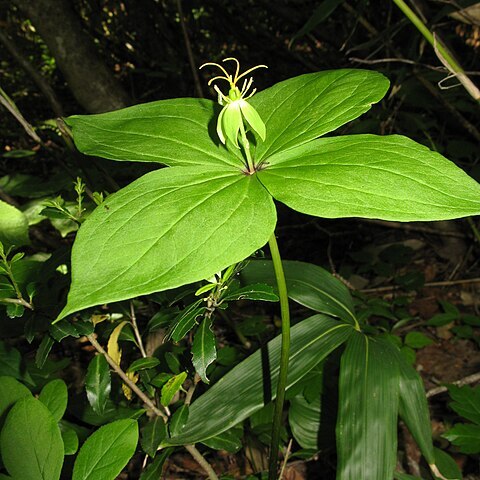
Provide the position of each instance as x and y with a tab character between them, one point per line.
446	283
125	379
188	46
201	461
40	81
136	331
284	464
475	377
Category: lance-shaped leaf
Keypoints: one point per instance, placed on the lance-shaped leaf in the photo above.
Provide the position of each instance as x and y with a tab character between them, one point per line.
252	383
176	132
305	107
391	177
98	384
368	410
307	284
304	420
203	349
171	227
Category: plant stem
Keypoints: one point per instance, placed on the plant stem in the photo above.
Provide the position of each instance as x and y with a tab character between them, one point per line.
125	379
246	149
442	53
284	354
201	461
136	331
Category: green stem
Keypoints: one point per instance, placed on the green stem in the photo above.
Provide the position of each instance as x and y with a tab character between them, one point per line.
284	354
412	16
246	148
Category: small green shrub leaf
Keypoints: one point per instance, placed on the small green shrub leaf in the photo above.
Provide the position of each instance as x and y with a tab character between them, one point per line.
31	443
155	469
179	420
143	364
204	352
390	177
54	396
152	435
12	390
106	452
231	441
13	226
171	388
465	436
466	402
252	383
257	291
302	108
70	439
368	410
170	227
97	383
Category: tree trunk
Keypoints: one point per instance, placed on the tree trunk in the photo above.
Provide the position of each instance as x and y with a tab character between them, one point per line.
92	84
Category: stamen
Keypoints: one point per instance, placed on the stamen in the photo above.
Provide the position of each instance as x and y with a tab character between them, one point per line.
250	70
249	84
216	65
251	94
235	78
229	79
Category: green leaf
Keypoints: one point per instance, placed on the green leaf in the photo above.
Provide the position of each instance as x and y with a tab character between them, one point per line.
171	388
143	364
447	465
179	420
413	407
97	383
248	387
300	109
257	291
155	470
204	352
173	132
69	438
391	177
304	420
31	443
12	390
231	441
417	340
11	364
171	227
368	410
466	402
465	436
62	330
43	350
185	321
309	285
14	310
106	452
404	476
152	435
13	226
54	396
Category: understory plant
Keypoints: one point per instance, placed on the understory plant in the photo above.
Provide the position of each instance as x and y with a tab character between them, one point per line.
212	208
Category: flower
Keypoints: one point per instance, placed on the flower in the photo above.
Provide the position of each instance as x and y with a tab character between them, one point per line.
236	110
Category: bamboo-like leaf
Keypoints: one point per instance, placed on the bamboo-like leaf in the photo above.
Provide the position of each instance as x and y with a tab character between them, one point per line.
171	227
179	420
391	177
252	383
97	383
304	420
302	108
204	352
368	410
173	132
307	284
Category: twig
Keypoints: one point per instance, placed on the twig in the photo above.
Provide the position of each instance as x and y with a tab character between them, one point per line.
475	377
285	460
446	283
188	46
201	461
9	104
18	301
125	379
191	390
133	318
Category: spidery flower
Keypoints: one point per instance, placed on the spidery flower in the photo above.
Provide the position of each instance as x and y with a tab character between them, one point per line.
236	110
